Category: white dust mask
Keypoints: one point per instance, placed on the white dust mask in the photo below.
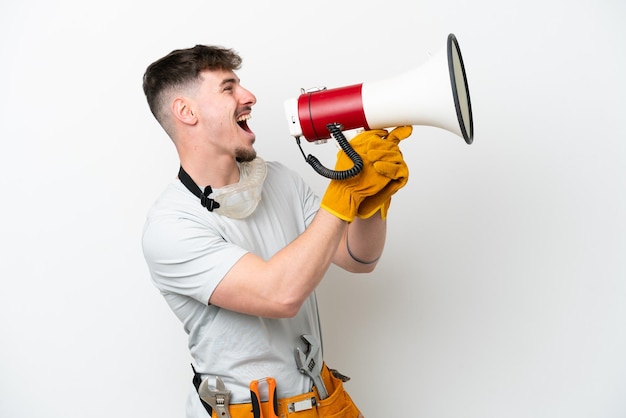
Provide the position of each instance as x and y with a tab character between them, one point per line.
236	201
239	200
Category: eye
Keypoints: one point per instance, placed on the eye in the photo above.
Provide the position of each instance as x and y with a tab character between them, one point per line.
229	87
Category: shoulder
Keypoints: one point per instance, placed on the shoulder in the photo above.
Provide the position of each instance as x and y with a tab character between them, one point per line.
278	172
176	218
289	192
277	167
174	202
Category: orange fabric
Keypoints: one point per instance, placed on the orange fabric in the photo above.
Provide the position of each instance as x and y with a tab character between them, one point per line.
337	405
381	161
393	167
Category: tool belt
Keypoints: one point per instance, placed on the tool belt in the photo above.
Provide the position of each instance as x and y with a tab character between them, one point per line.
307	405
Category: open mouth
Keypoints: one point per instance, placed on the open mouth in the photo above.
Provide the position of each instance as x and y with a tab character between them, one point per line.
242	121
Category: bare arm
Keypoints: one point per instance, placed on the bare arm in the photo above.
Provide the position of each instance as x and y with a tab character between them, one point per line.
278	287
362	244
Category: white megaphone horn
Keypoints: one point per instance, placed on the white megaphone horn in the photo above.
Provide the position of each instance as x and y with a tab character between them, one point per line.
434	94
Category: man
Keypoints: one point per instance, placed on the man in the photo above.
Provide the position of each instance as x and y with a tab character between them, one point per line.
237	245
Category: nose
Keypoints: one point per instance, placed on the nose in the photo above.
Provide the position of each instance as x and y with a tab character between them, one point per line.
247	97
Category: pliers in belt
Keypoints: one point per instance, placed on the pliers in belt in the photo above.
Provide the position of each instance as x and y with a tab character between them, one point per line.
256	398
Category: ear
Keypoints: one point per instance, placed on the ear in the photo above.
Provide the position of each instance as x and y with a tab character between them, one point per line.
183	111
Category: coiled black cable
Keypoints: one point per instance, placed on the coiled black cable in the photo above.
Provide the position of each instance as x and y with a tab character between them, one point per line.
335	131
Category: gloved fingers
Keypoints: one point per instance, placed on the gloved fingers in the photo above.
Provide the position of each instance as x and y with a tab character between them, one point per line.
343	162
386	161
400	133
384	144
361	144
391	169
383	154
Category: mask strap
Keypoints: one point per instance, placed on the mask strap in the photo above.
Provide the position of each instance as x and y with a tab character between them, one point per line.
205	200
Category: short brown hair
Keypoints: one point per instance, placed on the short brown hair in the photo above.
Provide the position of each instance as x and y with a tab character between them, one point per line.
181	67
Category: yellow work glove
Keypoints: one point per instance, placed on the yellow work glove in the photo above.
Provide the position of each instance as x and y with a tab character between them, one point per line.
389	163
343	197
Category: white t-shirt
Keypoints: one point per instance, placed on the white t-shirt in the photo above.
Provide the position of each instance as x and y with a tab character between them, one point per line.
189	250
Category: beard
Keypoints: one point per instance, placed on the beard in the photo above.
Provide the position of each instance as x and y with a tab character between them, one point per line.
245	155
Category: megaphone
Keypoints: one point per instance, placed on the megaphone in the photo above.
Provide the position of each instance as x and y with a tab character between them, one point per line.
434	94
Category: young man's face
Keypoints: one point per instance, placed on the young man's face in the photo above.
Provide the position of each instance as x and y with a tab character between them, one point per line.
223	107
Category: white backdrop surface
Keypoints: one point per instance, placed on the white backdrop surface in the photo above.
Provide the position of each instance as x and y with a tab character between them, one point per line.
503	286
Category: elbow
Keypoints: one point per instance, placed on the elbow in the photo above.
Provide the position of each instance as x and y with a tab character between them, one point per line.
367	268
356	267
284	312
285	307
290	312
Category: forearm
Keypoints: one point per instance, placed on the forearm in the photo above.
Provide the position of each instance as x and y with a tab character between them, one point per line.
303	263
282	283
362	244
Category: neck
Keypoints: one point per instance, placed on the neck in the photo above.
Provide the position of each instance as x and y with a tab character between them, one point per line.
206	163
211	170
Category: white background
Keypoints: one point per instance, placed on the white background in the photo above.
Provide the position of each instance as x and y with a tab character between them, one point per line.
502	292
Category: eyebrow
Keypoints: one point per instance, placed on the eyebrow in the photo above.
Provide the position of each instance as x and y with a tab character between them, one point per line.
234	80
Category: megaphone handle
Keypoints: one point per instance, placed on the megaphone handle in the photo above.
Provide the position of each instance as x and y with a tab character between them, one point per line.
335	130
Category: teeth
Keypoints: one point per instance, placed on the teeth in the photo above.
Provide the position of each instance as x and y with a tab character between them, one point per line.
243	118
